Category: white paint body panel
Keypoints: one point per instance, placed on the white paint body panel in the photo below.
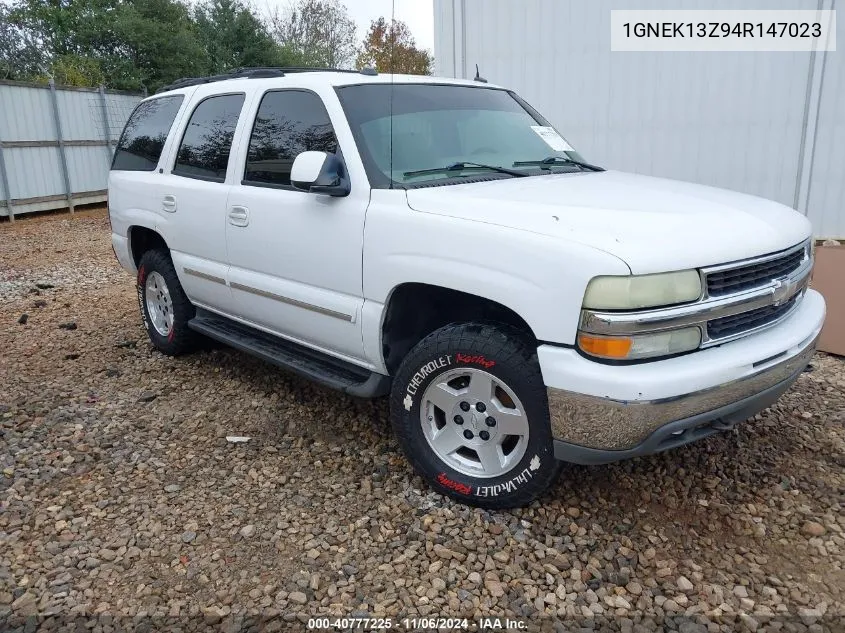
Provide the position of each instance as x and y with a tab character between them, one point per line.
322	270
653	224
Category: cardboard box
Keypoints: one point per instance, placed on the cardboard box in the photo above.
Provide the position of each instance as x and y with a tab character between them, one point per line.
829	279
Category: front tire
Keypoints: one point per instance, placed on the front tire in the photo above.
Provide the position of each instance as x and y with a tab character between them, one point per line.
165	308
469	408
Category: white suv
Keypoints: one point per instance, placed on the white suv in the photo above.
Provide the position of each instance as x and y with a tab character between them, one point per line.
439	241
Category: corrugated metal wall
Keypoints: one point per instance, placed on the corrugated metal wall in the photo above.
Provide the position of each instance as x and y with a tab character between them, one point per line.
90	122
733	120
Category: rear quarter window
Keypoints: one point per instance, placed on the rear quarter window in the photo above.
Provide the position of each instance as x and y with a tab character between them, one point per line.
142	140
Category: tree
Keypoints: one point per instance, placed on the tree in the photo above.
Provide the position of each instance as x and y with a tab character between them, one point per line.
318	32
156	43
233	36
20	57
391	48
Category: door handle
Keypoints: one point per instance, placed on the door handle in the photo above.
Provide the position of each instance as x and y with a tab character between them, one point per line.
239	216
168	203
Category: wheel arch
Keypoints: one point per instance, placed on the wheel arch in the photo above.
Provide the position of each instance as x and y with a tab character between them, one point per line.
143	239
414	310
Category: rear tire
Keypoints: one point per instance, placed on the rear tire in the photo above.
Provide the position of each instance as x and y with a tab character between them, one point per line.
469	408
165	309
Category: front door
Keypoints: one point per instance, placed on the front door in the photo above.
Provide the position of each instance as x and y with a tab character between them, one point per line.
295	257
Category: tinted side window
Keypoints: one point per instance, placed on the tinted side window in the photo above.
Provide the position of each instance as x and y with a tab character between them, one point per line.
288	123
204	152
140	145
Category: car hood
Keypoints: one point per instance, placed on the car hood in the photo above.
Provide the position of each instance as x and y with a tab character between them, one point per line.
653	224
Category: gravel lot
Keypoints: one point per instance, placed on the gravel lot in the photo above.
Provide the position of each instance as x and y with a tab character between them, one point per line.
121	496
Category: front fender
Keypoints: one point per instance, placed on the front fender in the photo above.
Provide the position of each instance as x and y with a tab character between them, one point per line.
539	277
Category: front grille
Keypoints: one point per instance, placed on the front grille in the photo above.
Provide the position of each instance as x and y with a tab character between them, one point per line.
752	275
739	323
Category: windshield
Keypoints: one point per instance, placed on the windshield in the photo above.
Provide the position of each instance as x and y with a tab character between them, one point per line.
445	133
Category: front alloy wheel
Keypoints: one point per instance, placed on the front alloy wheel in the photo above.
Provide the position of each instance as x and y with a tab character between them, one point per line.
474	423
469	408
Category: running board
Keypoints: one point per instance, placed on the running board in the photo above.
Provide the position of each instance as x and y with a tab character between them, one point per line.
317	366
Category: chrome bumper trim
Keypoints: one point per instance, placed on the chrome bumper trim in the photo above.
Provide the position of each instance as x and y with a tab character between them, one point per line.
603	423
776	292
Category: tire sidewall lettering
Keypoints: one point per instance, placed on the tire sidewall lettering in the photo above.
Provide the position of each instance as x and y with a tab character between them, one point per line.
142	276
419	377
453	480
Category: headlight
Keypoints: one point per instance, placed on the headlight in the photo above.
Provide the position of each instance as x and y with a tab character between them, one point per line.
642	345
642	291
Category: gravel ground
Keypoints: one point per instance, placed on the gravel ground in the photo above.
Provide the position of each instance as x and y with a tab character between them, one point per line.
123	504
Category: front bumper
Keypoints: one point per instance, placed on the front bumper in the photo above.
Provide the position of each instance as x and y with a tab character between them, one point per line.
603	413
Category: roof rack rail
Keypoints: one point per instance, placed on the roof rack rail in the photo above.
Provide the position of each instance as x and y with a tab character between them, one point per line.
258	73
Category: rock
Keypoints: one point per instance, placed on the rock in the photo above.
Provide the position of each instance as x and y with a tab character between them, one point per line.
634	588
812	528
25	605
172	488
573	512
685	585
809	616
496	588
107	555
740	591
147	396
70	325
22	319
188	536
298	597
247	531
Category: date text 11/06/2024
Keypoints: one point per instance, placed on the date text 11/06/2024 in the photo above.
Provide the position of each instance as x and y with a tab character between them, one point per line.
416	624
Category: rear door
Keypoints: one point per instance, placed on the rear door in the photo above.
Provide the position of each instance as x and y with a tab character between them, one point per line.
193	199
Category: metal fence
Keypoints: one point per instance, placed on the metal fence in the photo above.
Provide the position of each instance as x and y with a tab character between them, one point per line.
56	144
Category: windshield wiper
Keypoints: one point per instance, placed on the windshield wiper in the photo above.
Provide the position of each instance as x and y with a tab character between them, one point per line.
463	166
554	160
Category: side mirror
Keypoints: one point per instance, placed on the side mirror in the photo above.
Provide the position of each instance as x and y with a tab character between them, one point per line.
318	172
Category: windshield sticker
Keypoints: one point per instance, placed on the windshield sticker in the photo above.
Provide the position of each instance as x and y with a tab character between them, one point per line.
552	138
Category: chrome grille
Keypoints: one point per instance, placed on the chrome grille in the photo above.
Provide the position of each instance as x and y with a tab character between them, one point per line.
743	322
726	280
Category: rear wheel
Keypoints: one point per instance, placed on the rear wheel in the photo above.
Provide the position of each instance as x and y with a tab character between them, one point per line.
469	408
165	308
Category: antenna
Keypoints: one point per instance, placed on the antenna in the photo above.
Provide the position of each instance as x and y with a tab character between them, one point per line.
478	77
392	34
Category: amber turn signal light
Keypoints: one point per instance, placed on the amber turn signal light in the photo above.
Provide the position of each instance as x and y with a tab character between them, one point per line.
604	346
